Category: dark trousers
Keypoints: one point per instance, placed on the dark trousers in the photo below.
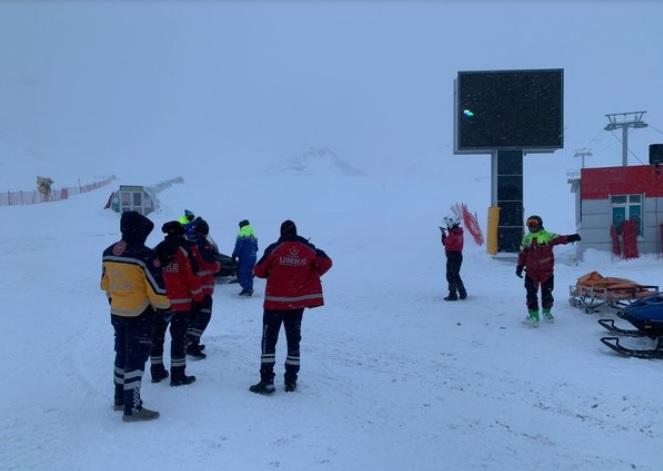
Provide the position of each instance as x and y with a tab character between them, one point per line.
532	287
271	325
133	340
161	321
245	272
200	318
179	322
456	286
178	326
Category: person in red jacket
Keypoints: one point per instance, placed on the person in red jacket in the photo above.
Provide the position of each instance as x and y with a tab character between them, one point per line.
293	267
536	257
207	261
183	288
452	240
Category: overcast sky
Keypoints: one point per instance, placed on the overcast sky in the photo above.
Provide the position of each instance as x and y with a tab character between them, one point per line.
253	82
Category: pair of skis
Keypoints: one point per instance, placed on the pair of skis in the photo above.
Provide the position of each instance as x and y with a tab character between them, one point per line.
613	342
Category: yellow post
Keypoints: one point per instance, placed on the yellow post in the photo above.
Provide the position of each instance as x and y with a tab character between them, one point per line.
491	236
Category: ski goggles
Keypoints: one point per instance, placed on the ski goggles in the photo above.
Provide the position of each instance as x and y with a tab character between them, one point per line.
532	223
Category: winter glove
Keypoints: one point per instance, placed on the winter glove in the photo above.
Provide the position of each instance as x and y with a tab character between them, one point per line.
574	238
519	271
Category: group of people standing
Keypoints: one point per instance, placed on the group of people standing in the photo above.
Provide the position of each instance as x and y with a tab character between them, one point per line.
536	259
173	284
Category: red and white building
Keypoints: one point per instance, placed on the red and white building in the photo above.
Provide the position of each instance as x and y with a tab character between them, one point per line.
610	195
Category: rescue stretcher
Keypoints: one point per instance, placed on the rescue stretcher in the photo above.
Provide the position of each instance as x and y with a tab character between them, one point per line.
594	290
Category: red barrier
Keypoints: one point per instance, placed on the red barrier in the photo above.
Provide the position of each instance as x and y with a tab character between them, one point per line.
630	236
12	198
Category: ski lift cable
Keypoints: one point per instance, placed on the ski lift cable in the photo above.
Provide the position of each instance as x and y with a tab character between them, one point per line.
655	129
629	150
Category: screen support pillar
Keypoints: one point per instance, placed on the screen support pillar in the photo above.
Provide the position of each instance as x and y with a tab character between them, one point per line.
507	194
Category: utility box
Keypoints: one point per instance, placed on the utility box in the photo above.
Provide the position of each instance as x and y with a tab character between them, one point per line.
134	198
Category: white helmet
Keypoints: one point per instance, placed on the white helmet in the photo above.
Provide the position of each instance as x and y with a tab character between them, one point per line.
451	220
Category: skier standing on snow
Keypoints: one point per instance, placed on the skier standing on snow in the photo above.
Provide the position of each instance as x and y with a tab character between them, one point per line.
183	288
537	259
132	280
452	240
245	252
208	265
293	268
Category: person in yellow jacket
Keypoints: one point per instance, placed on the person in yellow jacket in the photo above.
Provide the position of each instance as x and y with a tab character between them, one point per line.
131	277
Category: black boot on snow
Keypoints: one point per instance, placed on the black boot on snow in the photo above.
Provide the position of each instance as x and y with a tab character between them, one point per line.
462	295
290	386
262	388
451	297
140	415
179	378
158	373
194	350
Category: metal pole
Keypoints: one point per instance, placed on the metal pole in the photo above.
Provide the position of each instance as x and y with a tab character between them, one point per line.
625	146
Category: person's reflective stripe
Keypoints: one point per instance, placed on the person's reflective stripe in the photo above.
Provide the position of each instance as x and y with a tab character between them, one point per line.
292	299
180	301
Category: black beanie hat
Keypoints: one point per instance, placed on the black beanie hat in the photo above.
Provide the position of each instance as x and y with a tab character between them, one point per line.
173	228
200	226
288	228
134	225
243	222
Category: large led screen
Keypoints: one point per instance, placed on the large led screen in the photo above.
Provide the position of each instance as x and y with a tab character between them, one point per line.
512	109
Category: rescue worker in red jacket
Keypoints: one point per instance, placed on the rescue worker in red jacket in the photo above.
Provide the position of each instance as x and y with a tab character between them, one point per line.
183	288
452	240
207	262
536	257
292	267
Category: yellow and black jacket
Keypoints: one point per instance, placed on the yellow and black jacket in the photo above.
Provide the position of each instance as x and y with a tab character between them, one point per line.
132	279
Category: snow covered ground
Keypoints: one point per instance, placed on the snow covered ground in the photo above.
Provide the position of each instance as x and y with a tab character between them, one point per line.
336	115
392	377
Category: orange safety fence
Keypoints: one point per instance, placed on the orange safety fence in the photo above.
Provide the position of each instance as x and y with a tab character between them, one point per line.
22	197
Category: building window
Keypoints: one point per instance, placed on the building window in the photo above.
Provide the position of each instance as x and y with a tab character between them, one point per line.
626	207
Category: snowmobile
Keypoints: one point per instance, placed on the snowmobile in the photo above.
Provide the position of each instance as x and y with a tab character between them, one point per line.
646	315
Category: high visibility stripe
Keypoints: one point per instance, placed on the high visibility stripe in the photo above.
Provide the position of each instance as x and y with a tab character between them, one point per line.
206	273
132	261
180	301
132	375
156	360
178	362
133	385
196	291
293	299
292	361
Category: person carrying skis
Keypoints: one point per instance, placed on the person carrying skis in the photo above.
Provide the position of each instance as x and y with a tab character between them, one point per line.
132	280
183	288
245	252
207	261
292	267
536	258
452	240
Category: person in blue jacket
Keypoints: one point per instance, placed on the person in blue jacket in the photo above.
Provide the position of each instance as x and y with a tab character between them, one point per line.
245	253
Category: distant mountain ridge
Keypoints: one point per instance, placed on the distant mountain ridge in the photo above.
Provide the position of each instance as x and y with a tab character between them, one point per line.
317	161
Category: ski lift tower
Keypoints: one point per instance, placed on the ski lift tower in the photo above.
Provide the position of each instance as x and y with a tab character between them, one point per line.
507	114
631	119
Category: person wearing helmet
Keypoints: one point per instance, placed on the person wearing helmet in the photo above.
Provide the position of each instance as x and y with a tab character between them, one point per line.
452	240
187	221
537	259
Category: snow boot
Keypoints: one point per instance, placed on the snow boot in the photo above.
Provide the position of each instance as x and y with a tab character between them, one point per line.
140	415
451	297
194	350
290	386
547	315
118	402
158	373
179	378
532	318
262	388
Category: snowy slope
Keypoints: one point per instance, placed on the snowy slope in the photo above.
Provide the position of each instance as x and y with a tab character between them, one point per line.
392	376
